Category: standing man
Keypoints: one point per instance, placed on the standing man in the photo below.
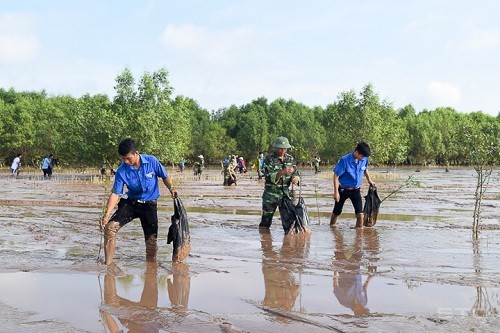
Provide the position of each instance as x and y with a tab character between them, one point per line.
316	162
199	166
347	180
16	165
280	172
140	173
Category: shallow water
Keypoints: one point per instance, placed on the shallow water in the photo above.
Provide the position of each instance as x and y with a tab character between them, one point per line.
417	270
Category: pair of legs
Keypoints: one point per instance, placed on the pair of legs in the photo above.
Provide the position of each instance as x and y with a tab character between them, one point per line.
47	173
355	196
270	201
126	212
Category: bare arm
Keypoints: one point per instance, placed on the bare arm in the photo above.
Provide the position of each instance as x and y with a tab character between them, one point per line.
336	194
168	183
112	201
367	176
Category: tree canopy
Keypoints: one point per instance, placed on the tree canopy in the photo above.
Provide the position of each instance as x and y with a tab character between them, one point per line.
85	131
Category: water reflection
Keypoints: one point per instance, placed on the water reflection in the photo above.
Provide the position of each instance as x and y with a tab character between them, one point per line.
280	269
178	285
484	304
348	285
120	313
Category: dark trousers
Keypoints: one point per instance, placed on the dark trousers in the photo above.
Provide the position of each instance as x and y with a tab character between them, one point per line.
146	212
354	195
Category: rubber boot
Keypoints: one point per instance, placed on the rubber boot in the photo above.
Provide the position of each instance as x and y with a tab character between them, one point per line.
359	220
265	221
151	249
333	220
110	231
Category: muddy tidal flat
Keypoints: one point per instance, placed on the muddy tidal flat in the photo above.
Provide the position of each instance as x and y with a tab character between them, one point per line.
418	270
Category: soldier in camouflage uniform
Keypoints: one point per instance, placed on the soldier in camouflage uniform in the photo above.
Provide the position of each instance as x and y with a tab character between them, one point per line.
280	172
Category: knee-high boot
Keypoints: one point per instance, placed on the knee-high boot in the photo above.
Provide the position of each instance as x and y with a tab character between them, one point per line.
110	231
266	221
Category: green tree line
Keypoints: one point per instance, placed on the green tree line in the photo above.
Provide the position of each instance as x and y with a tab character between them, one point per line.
84	131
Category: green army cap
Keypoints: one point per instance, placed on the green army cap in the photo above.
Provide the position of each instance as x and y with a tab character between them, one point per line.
281	142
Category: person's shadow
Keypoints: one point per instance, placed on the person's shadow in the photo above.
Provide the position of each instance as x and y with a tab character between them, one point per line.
348	285
143	316
280	269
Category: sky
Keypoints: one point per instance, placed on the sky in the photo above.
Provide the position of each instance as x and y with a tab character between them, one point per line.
427	53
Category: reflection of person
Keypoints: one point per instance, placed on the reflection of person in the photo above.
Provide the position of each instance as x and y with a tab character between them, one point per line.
280	172
281	286
348	286
140	173
46	166
16	165
178	285
347	179
129	315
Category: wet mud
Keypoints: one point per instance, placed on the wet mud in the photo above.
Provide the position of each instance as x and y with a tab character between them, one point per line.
417	270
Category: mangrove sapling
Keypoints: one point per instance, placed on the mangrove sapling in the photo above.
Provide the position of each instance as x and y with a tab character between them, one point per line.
409	182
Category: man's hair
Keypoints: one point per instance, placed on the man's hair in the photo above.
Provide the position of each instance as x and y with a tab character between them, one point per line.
363	148
127	146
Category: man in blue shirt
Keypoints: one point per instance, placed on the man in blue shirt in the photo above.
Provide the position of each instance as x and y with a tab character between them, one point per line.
347	180
140	173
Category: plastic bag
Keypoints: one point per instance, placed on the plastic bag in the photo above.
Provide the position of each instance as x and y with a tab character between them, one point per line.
178	232
371	208
294	217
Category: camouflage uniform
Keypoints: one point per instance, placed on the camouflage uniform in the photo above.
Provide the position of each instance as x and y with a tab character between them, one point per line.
275	190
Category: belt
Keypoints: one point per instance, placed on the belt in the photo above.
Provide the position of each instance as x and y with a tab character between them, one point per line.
144	201
349	188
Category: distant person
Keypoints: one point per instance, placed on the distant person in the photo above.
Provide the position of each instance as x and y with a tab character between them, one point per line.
46	166
139	173
259	162
228	170
199	166
347	179
280	172
16	165
231	176
241	165
181	165
316	163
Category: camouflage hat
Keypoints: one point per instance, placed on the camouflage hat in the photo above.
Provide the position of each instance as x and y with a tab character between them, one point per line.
281	142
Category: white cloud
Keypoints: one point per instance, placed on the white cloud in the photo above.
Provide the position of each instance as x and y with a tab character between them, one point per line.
18	42
482	39
443	94
222	47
